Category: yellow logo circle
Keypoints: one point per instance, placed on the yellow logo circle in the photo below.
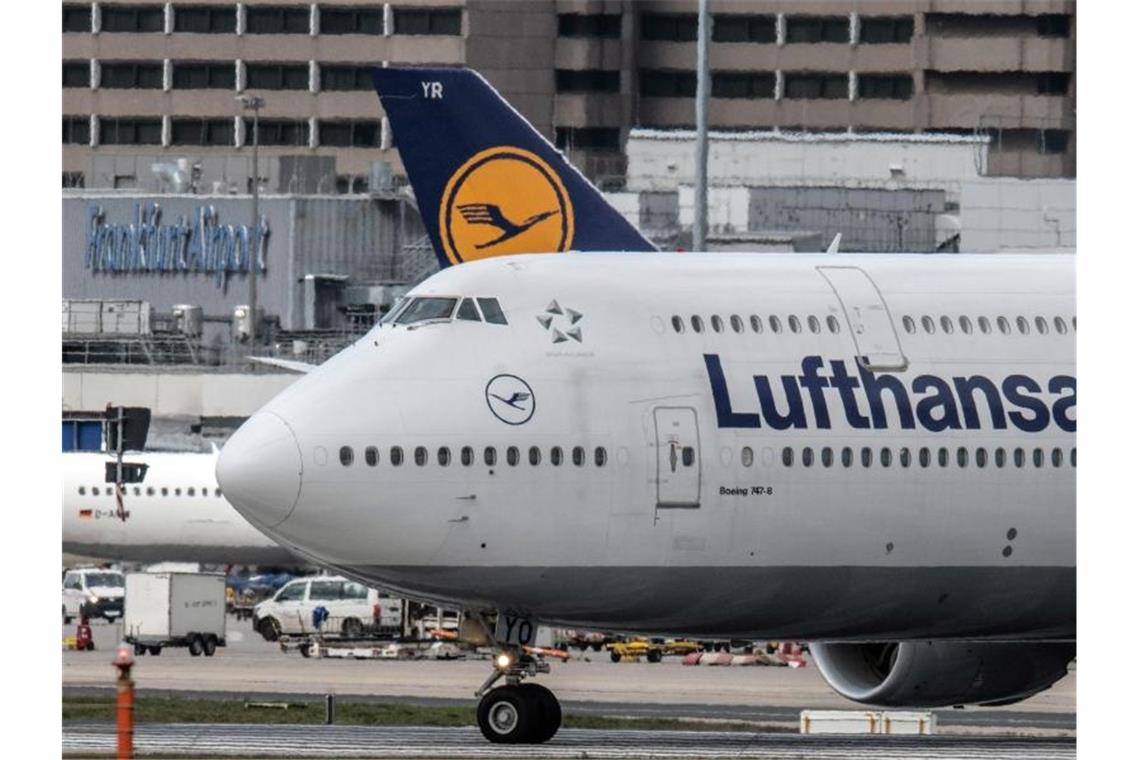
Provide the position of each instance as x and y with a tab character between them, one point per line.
504	200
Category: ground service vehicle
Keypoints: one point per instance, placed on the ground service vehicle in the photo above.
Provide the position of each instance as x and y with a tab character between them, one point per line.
175	610
92	592
353	609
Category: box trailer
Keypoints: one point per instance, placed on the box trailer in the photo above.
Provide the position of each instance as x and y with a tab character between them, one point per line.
175	610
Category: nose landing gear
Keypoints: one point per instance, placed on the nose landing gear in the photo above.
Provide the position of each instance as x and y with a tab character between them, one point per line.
517	713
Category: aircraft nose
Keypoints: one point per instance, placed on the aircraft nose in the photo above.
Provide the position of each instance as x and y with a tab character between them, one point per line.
259	469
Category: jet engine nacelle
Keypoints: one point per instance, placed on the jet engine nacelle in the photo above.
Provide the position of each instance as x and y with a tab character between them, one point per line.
941	673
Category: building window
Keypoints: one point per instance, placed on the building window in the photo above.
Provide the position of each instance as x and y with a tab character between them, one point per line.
662	83
278	132
207	19
1052	83
77	18
202	132
1053	25
203	76
276	19
76	74
346	78
886	86
277	76
131	76
1054	141
743	84
132	18
346	455
818	29
130	131
352	20
811	86
589	25
741	28
396	456
586	80
355	134
442	21
878	30
669	27
74	179
600	138
372	456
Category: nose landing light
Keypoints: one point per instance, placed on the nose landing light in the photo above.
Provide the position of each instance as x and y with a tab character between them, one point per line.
259	469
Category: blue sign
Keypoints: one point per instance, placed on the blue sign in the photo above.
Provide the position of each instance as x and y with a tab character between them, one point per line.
197	245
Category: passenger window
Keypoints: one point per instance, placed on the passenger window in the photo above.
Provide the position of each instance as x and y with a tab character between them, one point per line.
928	324
1060	326
847	456
165	491
963	456
466	456
489	456
866	456
757	324
1058	457
396	456
1074	324
1042	325
774	323
966	326
1023	325
352	590
908	324
1038	458
943	456
443	456
688	456
947	325
139	491
372	456
492	311
904	456
346	455
578	456
82	491
294	592
832	324
698	324
467	311
984	325
746	456
1003	325
94	491
599	457
1018	457
717	323
678	324
177	491
556	455
826	457
218	492
324	591
787	456
999	457
512	455
980	457
808	456
1073	457
423	309
885	457
189	491
813	324
420	455
737	323
535	456
794	323
924	457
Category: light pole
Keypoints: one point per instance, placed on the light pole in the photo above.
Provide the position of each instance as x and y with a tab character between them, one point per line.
253	103
701	188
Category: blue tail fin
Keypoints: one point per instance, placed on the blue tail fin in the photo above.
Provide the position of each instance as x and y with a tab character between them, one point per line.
487	183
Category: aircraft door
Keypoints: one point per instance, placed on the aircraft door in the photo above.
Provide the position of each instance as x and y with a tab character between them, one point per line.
678	458
876	342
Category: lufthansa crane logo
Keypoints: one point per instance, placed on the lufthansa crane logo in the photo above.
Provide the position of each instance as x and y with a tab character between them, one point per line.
504	200
510	399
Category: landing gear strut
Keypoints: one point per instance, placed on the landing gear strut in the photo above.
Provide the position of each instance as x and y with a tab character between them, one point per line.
517	713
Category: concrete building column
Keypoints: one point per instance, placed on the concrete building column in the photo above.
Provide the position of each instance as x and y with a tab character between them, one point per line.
388	23
166	125
239	25
96	18
168	18
314	77
93	79
93	141
167	74
239	75
781	29
314	20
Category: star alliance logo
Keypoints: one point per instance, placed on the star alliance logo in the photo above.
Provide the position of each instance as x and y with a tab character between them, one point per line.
562	324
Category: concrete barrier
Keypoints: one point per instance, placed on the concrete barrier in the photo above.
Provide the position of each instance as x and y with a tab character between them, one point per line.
906	723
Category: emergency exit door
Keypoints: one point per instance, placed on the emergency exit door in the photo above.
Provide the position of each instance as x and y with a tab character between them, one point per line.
876	343
678	458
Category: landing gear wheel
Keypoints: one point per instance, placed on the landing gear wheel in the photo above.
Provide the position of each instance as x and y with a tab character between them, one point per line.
209	646
549	712
508	715
195	646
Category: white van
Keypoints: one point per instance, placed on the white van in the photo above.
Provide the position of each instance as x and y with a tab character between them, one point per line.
353	609
93	592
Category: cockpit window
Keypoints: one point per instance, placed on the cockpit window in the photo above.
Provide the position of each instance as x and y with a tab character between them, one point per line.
422	309
468	311
395	310
491	311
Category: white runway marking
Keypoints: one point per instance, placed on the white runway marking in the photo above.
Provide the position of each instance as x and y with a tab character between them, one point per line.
428	742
